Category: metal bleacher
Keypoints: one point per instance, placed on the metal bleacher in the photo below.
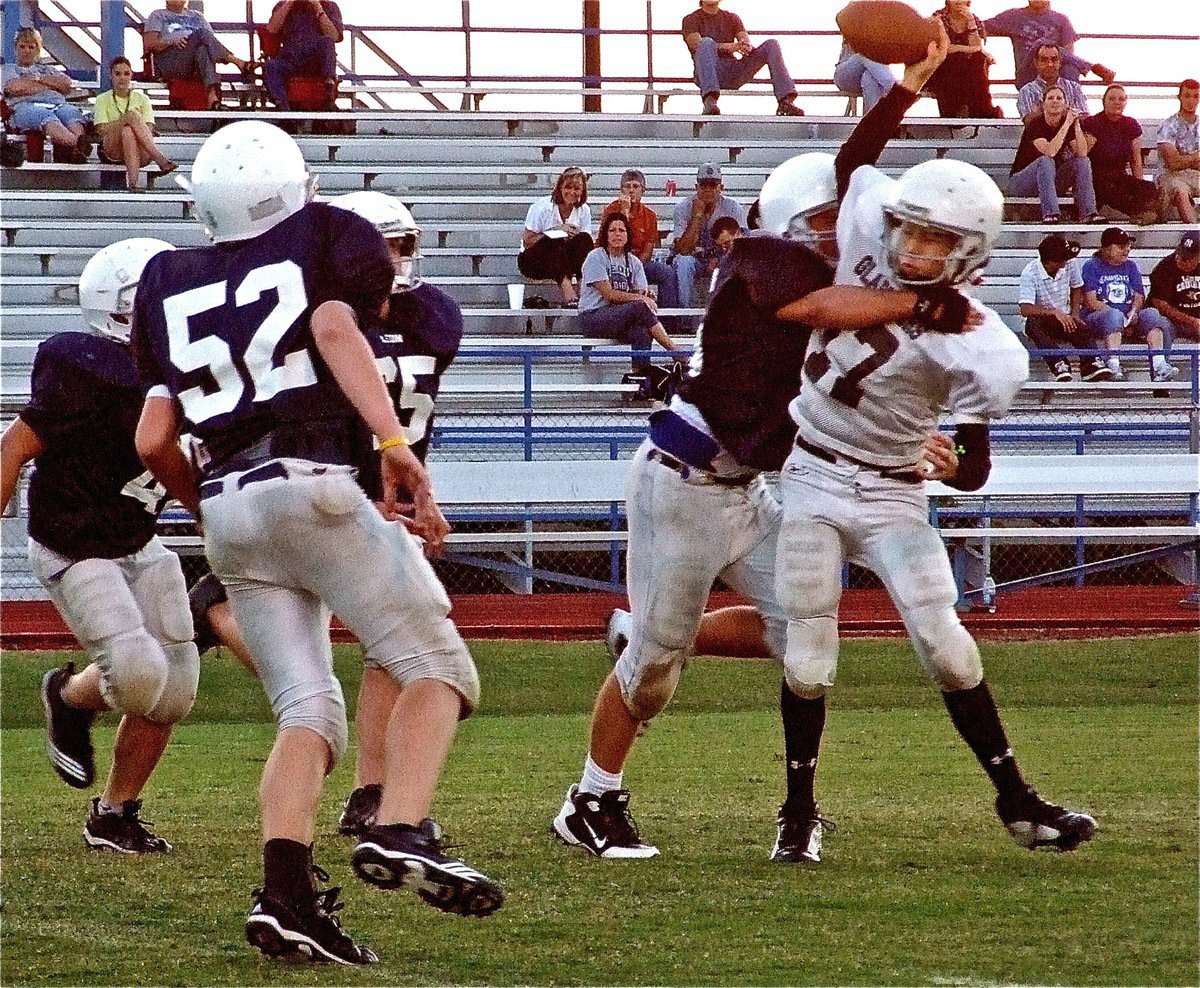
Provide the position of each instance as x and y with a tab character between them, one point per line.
527	386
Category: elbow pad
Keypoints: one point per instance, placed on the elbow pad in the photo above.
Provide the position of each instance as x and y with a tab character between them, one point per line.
974	457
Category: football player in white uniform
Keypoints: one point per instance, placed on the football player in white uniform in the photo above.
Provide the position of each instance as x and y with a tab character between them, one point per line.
852	487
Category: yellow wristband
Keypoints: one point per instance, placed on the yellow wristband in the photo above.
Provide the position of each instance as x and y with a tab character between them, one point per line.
394	441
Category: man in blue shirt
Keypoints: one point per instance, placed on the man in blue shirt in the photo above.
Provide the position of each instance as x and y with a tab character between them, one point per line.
1113	300
308	30
1034	25
693	238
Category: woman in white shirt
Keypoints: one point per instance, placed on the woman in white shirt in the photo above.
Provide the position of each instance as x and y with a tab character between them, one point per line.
556	239
615	301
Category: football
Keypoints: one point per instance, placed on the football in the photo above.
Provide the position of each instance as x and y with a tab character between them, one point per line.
886	31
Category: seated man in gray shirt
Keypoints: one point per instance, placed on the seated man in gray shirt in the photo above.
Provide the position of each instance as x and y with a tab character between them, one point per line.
694	219
184	47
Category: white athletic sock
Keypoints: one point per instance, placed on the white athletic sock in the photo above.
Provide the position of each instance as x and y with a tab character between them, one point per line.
1160	362
597	781
1114	363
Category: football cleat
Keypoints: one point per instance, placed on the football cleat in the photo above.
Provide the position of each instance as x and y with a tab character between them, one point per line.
358	812
282	927
616	638
397	855
601	825
1034	823
124	832
799	835
68	731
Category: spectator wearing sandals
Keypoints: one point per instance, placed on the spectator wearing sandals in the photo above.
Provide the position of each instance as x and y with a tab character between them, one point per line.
37	94
1052	158
1115	141
1175	287
643	234
1050	297
615	302
1179	152
857	75
960	83
693	229
308	30
184	47
556	239
724	58
125	121
1036	24
1049	63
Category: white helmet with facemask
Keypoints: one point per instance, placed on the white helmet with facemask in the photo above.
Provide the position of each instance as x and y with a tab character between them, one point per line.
953	197
109	283
796	190
393	220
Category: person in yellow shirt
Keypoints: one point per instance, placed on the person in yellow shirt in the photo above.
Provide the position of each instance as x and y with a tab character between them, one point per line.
125	120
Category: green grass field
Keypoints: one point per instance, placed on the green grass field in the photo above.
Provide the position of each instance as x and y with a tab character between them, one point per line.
920	885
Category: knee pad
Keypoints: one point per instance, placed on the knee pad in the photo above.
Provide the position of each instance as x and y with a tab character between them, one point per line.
810	662
323	712
451	665
134	672
179	690
946	649
206	593
648	689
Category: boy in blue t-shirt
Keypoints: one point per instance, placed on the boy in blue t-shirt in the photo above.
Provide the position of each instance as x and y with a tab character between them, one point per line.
1113	300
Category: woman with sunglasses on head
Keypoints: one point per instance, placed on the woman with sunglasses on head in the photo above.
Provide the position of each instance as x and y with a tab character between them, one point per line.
556	239
616	303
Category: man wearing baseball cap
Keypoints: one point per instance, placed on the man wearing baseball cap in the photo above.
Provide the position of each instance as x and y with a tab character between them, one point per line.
1050	296
1113	299
694	219
1175	287
643	238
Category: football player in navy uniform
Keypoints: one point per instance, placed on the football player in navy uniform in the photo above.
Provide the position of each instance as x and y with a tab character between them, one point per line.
92	512
256	344
414	343
698	506
853	486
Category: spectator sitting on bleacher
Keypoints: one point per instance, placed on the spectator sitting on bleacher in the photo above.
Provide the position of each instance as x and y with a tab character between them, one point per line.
37	94
1049	62
557	235
308	30
643	227
1175	287
693	234
125	120
724	58
1052	158
1115	141
1050	297
1034	25
960	83
1113	300
184	47
614	301
857	75
1179	152
725	232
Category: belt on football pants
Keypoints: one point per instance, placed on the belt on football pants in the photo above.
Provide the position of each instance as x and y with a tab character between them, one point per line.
904	476
268	471
696	475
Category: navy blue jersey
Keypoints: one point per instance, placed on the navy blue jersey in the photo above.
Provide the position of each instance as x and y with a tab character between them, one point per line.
413	347
225	330
748	362
90	497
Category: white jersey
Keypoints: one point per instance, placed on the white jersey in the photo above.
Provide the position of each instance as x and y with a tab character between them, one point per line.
875	394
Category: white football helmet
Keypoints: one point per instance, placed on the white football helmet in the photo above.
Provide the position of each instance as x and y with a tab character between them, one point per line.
246	178
109	283
392	219
798	188
945	195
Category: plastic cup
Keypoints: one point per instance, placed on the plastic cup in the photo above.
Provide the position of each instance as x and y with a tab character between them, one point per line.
516	296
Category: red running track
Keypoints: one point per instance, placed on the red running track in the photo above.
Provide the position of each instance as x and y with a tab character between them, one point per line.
1043	612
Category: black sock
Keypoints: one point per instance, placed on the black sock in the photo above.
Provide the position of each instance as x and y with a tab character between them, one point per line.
803	724
975	716
287	868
